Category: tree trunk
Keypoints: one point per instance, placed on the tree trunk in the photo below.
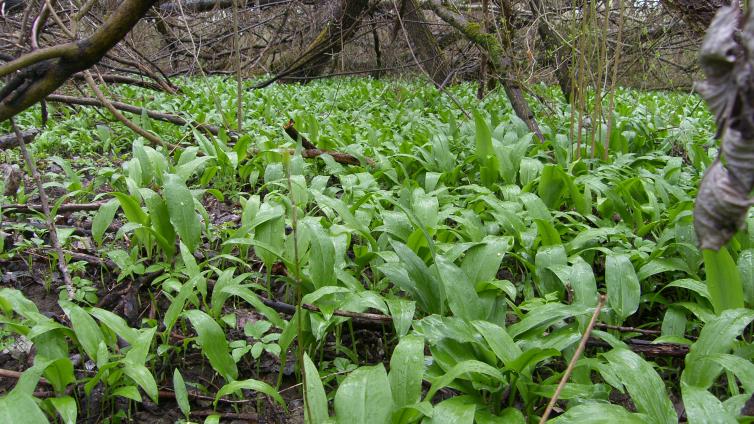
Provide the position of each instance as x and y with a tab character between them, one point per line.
499	61
554	54
423	42
328	44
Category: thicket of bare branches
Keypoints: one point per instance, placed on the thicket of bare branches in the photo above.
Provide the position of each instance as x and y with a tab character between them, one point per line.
47	44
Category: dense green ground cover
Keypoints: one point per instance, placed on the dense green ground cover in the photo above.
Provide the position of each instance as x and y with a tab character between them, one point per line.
486	249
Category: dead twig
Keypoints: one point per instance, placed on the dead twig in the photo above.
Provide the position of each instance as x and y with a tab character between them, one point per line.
62	266
574	359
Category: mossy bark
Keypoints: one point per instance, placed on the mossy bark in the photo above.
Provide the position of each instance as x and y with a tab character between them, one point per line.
500	62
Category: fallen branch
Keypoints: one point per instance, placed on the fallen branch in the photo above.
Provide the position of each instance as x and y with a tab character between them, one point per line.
64	208
8	141
296	136
160	116
311	151
359	318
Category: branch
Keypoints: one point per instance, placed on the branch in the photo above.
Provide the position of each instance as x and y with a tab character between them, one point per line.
44	70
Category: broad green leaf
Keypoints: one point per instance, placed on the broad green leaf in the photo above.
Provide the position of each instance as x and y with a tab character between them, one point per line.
549	256
623	288
20	408
746	270
552	185
546	315
742	368
103	218
254	300
364	397
462	296
250	384
598	413
456	410
86	329
131	208
717	336
128	392
116	324
181	394
66	408
143	377
482	262
181	209
321	257
723	280
160	217
703	407
499	341
211	338
407	370
645	386
315	408
402	312
462	369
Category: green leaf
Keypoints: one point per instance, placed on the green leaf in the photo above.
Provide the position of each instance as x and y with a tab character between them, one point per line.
364	397
402	312
250	384
407	370
315	408
181	394
20	408
160	217
254	300
723	280
128	392
86	329
623	288
462	297
131	208
116	324
552	185
143	377
717	336
456	410
321	257
598	413
499	341
482	262
103	218
66	408
703	407
546	315
742	368
462	369
643	384
183	215
485	153
211	338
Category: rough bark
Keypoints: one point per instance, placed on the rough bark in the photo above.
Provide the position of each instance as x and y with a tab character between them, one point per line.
423	42
44	70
